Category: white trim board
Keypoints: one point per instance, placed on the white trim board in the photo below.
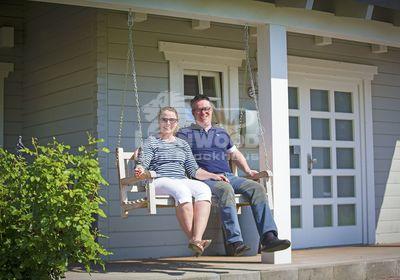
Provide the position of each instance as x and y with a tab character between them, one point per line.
362	75
201	54
257	13
343	70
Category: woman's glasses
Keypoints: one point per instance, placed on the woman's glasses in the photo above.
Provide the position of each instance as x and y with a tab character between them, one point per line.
170	120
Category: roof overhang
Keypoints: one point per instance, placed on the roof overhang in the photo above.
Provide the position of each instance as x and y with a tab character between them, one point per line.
255	13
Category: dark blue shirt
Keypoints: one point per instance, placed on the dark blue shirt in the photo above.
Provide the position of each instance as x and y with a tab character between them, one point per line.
209	148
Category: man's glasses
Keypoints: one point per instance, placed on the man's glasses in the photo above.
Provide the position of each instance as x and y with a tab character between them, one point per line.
204	109
170	120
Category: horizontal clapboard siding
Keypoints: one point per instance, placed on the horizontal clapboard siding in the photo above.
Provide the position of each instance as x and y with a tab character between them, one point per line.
60	73
386	121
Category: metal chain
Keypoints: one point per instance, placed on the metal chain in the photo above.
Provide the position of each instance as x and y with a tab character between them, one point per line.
130	57
253	95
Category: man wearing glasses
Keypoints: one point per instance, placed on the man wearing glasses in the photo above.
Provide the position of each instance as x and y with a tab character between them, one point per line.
211	147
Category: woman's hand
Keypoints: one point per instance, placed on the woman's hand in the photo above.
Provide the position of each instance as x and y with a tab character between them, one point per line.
139	171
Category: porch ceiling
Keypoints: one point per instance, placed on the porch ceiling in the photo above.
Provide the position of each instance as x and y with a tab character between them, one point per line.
369	21
377	10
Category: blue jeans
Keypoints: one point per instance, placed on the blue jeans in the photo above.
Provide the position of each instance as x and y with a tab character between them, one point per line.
225	192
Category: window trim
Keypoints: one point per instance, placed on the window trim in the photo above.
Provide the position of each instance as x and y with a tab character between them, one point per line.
183	57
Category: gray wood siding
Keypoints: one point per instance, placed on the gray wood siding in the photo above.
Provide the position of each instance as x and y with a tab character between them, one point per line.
12	14
141	235
386	121
60	83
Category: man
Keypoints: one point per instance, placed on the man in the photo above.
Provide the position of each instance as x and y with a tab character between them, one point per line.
211	147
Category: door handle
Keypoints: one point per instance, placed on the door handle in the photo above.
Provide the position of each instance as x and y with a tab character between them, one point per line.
310	163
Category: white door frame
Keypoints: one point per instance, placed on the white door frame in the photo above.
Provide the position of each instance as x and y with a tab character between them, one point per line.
361	75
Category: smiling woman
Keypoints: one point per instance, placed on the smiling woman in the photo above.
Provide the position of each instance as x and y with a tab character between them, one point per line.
171	159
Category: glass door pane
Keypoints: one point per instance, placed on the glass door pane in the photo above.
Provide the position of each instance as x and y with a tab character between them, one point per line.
320	129
319	100
322	186
343	102
344	130
323	216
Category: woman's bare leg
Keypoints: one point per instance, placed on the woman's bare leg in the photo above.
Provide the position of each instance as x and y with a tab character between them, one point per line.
200	219
184	214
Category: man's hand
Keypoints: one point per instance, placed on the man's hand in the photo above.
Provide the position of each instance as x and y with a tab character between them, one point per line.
220	177
251	172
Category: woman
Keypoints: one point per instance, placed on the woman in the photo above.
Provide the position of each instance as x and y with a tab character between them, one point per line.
171	158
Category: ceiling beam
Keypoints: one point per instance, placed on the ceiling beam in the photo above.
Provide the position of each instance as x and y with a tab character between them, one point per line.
140	17
378	48
396	18
200	24
322	41
346	8
305	4
370	12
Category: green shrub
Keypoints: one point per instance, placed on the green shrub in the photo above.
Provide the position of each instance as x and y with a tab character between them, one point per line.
49	203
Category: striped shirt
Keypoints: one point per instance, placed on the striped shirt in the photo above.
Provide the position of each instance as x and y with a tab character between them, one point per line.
168	159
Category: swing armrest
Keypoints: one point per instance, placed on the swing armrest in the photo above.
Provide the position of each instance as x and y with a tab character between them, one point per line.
262	174
147	175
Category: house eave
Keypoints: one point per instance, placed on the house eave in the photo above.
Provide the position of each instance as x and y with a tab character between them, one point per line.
256	13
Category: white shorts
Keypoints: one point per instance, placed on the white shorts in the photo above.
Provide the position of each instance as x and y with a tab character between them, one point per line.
182	190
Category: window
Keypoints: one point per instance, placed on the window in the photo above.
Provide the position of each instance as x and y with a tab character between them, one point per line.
195	69
201	82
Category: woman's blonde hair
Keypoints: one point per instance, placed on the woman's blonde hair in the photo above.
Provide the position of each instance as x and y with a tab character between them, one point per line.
171	109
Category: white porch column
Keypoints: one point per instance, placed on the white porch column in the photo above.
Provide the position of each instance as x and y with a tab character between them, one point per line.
5	68
274	114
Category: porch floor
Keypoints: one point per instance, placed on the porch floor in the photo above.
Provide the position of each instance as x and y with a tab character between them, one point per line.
350	262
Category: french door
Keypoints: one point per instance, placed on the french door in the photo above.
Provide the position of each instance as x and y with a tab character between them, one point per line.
325	181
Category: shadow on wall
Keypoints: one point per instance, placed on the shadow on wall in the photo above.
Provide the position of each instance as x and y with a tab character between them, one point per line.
386	189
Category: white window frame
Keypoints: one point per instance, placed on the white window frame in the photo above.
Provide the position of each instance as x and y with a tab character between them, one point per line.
183	57
5	69
362	75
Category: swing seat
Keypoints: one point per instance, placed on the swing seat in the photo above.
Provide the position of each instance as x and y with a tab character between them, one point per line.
144	186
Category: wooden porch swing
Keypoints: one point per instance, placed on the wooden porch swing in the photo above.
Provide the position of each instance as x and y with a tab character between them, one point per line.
143	186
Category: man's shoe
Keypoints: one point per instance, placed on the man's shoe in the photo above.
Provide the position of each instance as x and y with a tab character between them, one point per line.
237	249
274	244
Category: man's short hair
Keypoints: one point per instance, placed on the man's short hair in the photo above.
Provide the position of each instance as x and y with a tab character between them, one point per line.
198	98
